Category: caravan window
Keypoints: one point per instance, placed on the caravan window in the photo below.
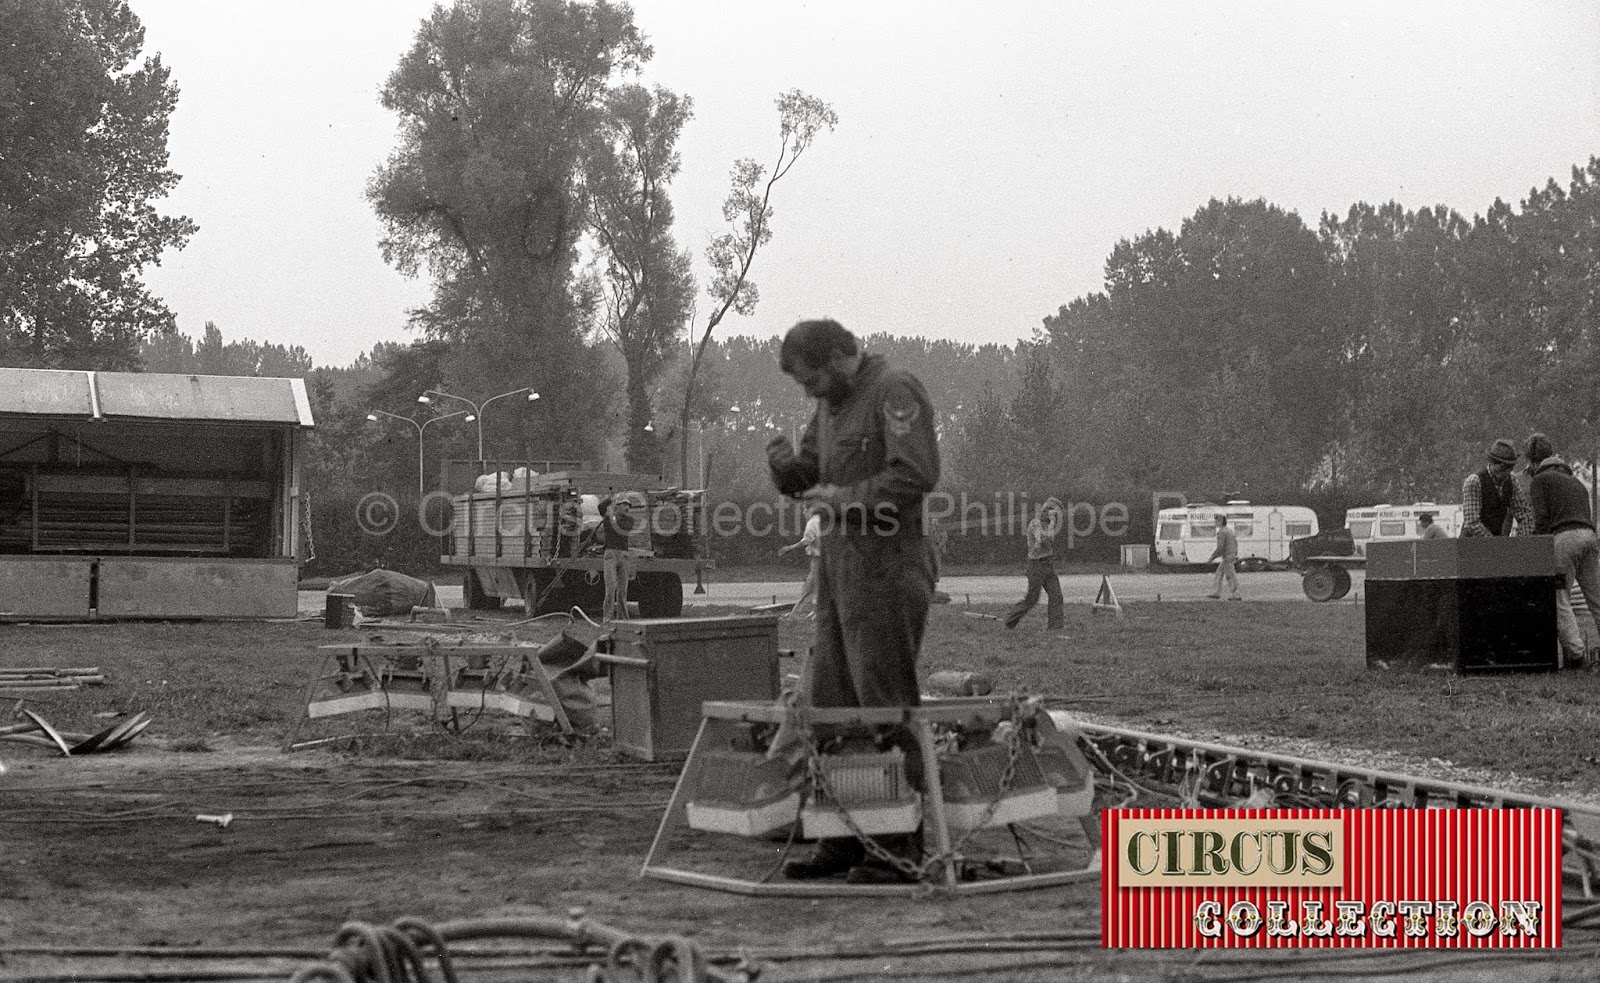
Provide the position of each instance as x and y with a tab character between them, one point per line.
1170	530
1392	527
1361	530
1243	530
1296	529
1197	531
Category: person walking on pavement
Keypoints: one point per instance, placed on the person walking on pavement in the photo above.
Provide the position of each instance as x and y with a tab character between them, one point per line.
869	457
1561	509
1227	555
1041	535
811	541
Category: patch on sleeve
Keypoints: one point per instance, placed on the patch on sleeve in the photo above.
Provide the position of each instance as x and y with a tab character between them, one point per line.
900	411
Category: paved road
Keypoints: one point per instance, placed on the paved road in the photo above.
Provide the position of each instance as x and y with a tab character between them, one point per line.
1078	589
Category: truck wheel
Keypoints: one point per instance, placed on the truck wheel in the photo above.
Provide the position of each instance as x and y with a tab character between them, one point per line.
660	595
1341	585
1320	584
474	596
537	597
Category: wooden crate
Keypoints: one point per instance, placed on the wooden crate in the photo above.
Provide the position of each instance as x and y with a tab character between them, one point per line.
663	669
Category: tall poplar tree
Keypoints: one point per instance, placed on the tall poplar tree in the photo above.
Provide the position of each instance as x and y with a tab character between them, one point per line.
83	158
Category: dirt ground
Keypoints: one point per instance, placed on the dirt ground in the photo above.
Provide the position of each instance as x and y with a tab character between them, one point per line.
105	872
115	857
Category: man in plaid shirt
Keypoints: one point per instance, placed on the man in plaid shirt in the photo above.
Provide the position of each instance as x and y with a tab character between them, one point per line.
1491	498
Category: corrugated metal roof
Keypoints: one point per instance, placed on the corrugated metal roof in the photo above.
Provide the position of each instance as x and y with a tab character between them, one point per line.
149	396
45	392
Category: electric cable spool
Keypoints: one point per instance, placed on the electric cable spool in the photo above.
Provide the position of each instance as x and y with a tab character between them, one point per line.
870	786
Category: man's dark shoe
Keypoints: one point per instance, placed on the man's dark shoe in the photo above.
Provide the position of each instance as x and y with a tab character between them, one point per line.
907	847
874	871
832	858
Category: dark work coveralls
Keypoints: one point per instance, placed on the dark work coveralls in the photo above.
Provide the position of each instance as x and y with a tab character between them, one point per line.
878	443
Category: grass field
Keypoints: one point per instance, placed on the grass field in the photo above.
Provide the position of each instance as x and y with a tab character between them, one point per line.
1293	672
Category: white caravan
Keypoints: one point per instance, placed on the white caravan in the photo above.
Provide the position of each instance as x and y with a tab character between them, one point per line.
1188	535
1387	523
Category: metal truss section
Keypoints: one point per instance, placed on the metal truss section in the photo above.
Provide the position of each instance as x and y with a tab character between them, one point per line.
1204	775
1220	776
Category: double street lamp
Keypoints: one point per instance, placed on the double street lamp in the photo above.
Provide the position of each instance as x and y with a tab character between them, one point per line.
477	408
421	428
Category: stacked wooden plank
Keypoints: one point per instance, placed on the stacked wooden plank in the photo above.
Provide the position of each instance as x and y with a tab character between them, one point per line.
44	678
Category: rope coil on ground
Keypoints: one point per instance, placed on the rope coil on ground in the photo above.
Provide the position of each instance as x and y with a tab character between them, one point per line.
400	953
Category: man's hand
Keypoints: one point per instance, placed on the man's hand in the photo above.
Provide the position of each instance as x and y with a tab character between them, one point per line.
832	496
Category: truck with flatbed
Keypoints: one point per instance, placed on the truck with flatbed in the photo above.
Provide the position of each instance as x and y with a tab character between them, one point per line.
531	535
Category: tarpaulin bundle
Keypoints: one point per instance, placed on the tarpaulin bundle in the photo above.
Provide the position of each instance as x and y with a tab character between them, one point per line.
385	592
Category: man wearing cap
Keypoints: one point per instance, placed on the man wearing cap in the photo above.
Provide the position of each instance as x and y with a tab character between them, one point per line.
1041	536
1491	499
869	457
1561	509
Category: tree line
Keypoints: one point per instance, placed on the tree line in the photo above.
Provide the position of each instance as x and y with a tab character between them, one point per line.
1383	350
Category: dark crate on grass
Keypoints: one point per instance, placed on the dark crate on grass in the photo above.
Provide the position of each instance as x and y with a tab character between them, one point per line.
663	669
1483	604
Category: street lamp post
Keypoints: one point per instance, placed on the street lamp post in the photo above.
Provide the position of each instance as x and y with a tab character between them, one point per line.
422	428
477	408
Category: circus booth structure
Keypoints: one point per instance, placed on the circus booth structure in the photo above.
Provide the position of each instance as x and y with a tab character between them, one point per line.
132	495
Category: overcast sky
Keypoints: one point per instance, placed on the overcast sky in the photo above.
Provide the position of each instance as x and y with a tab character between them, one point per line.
988	156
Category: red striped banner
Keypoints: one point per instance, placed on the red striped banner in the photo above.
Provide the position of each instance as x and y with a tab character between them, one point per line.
1331	878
